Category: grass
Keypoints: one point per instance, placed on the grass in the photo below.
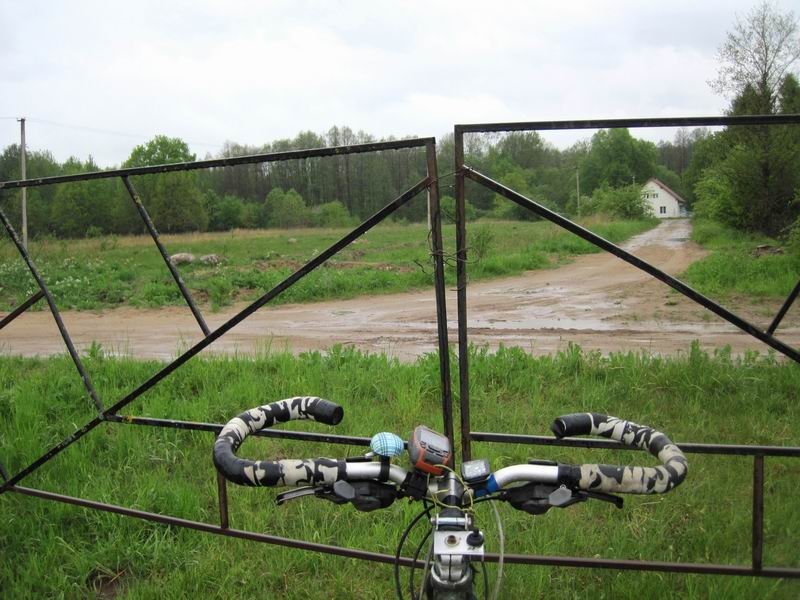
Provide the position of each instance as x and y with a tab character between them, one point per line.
58	551
731	269
112	271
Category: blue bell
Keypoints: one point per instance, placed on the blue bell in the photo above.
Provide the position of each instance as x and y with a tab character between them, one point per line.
386	444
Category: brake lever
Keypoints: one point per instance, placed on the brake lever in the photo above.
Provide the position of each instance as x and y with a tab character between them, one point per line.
325	492
610	498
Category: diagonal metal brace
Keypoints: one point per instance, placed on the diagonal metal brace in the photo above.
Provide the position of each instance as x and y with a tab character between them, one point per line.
151	228
87	382
637	262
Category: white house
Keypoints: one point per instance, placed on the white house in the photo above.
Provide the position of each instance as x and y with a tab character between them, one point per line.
665	203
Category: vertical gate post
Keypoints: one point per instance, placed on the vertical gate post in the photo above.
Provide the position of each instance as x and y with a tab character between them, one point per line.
461	287
758	511
435	224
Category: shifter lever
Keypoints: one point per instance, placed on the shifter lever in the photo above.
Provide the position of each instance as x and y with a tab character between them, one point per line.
284	497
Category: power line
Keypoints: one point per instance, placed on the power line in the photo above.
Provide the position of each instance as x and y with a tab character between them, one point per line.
110	132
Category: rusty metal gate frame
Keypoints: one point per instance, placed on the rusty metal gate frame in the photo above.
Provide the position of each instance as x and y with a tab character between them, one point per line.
463	172
430	182
111	414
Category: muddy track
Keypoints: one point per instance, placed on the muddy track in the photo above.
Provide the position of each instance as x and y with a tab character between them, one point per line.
597	301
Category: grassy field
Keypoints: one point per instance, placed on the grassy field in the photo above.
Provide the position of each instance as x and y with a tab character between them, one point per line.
52	550
731	269
111	271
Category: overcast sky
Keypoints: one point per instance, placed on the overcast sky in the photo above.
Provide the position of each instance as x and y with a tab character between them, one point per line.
118	73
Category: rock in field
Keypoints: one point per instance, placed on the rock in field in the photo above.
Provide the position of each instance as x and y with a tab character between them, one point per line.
182	258
211	259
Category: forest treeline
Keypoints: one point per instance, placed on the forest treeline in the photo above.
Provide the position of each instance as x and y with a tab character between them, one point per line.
747	177
337	191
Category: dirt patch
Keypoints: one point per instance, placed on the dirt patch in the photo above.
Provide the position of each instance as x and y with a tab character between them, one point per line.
597	301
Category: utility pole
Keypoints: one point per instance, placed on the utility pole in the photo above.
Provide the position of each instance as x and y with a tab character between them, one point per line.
578	188
22	157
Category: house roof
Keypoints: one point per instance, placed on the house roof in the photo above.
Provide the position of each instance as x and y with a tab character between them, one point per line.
667	189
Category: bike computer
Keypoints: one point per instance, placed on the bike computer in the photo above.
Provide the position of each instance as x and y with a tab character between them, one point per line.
429	450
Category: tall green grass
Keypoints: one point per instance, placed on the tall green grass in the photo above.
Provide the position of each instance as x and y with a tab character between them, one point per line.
52	550
731	269
111	271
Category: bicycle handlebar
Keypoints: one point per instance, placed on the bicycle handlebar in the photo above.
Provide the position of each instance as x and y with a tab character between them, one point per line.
618	479
327	471
287	472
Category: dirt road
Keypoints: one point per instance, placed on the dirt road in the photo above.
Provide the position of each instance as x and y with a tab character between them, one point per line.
597	301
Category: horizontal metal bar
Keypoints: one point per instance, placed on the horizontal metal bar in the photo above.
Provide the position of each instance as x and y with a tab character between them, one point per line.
21	308
631	259
689	447
217	427
315	262
220	162
555	561
784	309
616	123
645	565
216	529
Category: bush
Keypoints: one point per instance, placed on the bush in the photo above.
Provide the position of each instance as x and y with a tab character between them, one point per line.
623	202
331	214
286	209
224	213
253	216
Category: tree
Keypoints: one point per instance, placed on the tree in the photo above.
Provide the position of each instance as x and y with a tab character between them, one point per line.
286	209
160	150
224	212
174	200
758	53
617	159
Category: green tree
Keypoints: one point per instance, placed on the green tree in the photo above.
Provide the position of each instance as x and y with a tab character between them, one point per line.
174	200
617	159
224	213
286	209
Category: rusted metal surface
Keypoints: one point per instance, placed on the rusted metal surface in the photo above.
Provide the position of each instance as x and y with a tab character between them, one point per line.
688	447
758	512
221	330
462	171
629	123
637	262
220	162
784	309
87	382
306	436
216	529
222	494
461	296
437	251
523	559
21	308
151	228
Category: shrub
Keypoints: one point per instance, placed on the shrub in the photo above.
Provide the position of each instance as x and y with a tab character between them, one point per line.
331	214
286	209
624	202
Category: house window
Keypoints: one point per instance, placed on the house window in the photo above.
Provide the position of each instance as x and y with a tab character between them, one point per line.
662	210
654	195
